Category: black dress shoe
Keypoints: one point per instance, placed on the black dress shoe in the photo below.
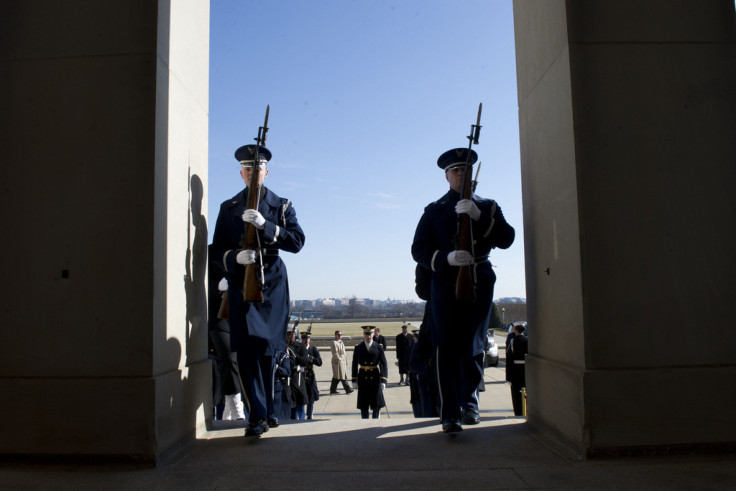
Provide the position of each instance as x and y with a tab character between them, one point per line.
471	418
349	391
273	421
451	426
256	429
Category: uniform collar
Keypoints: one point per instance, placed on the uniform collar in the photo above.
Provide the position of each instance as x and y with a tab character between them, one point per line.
450	197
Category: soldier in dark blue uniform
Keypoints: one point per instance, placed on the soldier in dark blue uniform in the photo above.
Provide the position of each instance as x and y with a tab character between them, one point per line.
315	359
458	329
282	385
257	328
370	372
298	359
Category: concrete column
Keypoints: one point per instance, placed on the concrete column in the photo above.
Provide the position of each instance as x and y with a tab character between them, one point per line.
104	136
627	115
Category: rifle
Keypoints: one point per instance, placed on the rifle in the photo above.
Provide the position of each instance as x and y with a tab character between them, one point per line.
222	313
253	281
296	322
465	286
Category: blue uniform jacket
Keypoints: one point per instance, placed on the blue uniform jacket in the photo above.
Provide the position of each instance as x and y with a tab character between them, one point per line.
459	326
262	323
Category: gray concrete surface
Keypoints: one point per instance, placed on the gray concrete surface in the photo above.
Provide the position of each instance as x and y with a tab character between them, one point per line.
338	450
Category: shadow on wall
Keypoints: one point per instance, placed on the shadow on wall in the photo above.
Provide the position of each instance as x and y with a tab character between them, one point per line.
191	395
195	276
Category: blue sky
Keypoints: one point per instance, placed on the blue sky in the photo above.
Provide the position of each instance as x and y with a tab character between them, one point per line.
364	96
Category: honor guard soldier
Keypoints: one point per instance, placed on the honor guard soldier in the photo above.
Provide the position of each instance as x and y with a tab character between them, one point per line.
298	359
458	328
257	327
314	359
370	372
282	385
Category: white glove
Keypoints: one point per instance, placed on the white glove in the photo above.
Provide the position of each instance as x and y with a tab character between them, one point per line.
383	386
459	258
246	257
222	285
469	207
255	217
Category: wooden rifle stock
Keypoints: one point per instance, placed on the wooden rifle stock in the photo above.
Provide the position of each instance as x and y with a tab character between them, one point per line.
222	313
465	287
253	280
252	290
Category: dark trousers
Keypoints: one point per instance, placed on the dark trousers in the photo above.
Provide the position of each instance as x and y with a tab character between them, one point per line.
226	366
256	375
517	377
364	413
469	394
458	378
516	399
345	385
297	412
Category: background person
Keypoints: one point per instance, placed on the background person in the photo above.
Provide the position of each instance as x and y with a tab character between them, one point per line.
380	339
298	360
339	364
313	359
516	353
226	387
403	341
370	373
282	385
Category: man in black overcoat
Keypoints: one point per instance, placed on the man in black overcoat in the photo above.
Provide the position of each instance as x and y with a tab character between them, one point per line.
403	341
370	373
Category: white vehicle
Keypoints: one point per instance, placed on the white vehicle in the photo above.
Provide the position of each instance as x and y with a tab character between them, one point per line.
491	358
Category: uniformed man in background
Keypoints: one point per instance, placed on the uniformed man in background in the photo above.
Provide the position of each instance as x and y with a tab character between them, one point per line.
370	373
314	359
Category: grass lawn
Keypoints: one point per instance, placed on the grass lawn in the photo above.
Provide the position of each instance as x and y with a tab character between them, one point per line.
353	329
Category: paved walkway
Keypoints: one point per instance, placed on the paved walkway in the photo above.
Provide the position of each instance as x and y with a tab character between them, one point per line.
494	402
338	450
